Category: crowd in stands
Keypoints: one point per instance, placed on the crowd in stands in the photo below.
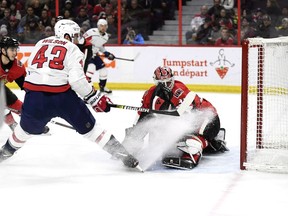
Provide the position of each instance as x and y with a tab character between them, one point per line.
31	20
218	24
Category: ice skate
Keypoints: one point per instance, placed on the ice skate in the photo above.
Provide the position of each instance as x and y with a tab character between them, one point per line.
105	90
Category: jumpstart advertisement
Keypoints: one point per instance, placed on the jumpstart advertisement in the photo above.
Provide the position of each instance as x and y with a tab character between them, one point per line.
215	66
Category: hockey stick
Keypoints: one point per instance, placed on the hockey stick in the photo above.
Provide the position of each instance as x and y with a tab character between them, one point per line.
125	59
62	124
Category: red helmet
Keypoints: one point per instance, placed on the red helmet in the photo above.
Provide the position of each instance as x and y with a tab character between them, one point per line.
164	75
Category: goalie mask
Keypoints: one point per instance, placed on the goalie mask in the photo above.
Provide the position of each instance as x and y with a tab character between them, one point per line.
164	75
67	27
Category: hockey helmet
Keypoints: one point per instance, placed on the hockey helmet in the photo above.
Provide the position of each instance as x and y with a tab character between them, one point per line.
7	42
102	22
164	75
66	26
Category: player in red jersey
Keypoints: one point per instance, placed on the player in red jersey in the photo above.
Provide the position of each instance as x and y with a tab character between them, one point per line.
11	70
169	94
54	80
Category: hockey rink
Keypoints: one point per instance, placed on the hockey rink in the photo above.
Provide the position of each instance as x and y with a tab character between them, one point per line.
66	175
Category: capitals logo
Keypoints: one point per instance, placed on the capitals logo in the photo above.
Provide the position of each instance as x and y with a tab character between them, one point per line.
222	64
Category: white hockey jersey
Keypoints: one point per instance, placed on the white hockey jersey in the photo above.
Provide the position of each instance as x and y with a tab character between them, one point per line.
53	65
97	40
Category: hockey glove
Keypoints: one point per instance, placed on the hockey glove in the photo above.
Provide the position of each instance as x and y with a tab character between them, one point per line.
99	102
163	92
109	55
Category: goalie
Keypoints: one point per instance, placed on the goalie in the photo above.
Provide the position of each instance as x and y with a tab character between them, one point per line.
169	94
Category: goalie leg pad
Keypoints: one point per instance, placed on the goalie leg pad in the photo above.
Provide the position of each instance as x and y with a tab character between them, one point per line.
178	163
218	144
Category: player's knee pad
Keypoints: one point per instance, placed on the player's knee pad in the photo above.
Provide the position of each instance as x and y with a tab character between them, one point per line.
18	137
98	135
103	73
210	128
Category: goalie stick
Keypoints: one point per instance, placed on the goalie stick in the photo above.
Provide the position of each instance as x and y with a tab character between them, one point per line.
180	110
141	109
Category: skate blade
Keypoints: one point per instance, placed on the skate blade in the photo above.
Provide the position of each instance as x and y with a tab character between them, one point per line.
139	168
176	167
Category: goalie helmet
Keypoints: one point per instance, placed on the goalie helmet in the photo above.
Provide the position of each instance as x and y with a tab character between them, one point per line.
164	75
67	27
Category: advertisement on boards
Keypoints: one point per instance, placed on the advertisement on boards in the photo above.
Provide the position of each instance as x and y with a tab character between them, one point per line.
191	65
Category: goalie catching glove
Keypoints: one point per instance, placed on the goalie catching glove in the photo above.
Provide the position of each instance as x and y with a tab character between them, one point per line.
98	101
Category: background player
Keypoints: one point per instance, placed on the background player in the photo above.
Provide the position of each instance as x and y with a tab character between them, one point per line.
54	79
11	70
168	94
98	37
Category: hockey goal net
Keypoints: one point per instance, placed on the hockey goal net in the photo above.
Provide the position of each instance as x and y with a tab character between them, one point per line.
264	99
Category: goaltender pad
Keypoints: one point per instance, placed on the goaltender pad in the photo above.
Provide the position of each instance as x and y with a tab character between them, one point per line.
264	109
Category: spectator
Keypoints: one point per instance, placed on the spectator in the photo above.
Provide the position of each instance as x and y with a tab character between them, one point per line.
204	33
225	38
3	31
100	7
45	18
37	7
67	14
273	10
5	19
133	38
246	30
264	29
214	11
284	14
224	19
85	4
12	27
197	20
48	31
32	32
3	6
67	6
82	16
228	4
282	30
29	16
112	30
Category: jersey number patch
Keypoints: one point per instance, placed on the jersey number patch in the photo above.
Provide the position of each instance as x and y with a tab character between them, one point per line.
58	53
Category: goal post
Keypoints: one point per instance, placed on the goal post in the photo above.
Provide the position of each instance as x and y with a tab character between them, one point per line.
264	105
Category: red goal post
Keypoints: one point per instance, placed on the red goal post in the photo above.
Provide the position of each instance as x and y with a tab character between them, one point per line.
264	105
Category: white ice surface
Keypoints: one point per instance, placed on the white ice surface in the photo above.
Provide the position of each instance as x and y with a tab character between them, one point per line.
66	175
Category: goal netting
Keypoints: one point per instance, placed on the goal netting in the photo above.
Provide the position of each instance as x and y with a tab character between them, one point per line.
264	113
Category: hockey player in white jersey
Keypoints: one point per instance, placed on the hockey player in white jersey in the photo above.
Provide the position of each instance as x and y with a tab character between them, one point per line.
54	78
98	37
